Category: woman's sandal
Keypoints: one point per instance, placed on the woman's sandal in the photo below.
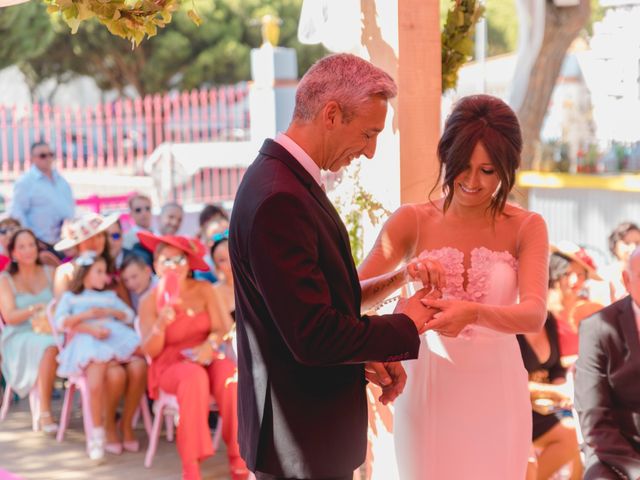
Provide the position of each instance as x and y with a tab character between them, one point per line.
48	428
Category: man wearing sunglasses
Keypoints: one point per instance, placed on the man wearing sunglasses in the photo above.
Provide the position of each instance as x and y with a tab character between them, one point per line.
42	198
140	211
118	253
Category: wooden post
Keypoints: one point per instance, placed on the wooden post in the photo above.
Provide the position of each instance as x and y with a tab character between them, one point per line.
419	82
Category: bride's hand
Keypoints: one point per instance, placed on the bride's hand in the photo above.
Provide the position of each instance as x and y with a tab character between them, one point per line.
454	315
429	272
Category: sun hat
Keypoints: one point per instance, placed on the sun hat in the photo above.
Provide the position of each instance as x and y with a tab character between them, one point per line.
193	249
79	229
577	254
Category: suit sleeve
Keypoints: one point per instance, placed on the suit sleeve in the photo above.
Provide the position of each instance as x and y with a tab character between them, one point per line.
284	257
593	402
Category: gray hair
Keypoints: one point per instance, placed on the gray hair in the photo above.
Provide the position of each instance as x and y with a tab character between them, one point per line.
169	205
344	78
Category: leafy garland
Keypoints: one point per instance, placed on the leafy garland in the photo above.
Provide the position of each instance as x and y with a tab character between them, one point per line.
457	39
130	19
352	202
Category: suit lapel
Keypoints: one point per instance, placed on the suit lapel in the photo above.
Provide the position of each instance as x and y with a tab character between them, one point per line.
275	150
627	320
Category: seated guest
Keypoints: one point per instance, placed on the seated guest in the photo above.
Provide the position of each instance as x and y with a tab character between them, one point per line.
137	277
224	286
182	335
209	212
115	240
170	218
100	344
607	386
568	300
140	212
8	226
83	234
28	348
215	230
553	435
622	241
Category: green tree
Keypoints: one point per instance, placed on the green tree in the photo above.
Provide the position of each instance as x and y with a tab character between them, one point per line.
182	55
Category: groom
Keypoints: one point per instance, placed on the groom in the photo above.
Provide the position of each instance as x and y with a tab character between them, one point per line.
302	343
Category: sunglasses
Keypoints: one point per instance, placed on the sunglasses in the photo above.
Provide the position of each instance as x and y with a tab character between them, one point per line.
45	155
4	231
140	209
177	261
216	237
116	236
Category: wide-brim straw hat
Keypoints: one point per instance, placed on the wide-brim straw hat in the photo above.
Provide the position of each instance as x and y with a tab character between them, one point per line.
577	254
193	249
77	230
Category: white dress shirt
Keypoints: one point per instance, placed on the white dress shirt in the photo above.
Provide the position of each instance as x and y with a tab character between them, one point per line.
42	203
301	156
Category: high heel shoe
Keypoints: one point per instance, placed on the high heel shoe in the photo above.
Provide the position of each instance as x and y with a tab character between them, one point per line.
48	428
131	446
114	448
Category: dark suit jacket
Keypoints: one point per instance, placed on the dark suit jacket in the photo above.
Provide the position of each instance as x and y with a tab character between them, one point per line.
607	392
301	339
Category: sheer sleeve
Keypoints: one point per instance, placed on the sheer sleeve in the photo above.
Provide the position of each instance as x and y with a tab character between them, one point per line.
533	272
395	243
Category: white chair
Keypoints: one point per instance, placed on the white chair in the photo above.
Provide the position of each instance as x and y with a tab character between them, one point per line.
34	398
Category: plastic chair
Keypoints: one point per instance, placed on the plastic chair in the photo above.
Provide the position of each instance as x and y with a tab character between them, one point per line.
34	399
166	406
79	382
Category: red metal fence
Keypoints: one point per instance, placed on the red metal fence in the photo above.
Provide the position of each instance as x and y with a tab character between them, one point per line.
119	135
209	185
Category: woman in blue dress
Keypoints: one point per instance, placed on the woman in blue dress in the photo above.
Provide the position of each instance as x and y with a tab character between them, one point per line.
28	348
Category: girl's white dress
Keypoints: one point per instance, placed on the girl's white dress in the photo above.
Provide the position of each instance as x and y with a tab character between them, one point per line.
84	348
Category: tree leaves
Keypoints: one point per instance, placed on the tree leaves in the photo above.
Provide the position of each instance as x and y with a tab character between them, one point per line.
180	56
456	39
129	19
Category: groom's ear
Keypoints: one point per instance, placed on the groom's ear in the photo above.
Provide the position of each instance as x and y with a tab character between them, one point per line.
331	115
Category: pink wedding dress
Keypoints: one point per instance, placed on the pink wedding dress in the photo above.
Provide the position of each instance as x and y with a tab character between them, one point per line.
465	412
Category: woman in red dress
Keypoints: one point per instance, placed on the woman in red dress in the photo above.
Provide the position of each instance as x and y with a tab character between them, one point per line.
182	325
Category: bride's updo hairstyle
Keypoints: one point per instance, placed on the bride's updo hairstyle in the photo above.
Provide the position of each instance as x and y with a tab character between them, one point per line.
486	119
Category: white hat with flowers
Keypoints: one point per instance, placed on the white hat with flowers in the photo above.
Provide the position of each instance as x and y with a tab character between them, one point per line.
82	228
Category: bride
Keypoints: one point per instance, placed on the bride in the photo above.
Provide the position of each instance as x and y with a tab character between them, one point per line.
465	411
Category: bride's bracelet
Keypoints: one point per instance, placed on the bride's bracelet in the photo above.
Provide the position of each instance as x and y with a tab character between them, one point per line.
387	301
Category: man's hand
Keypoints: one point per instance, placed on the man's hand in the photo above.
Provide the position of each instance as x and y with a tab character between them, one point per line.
391	377
418	312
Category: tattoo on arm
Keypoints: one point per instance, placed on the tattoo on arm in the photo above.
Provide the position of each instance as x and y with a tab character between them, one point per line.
384	284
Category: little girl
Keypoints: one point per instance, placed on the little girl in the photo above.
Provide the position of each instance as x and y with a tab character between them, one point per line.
96	321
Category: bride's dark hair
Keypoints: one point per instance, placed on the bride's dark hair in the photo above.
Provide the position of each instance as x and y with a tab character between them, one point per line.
486	119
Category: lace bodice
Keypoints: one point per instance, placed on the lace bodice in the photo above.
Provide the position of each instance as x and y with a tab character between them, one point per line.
506	272
492	276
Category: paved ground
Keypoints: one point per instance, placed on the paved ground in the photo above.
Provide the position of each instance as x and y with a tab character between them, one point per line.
34	456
